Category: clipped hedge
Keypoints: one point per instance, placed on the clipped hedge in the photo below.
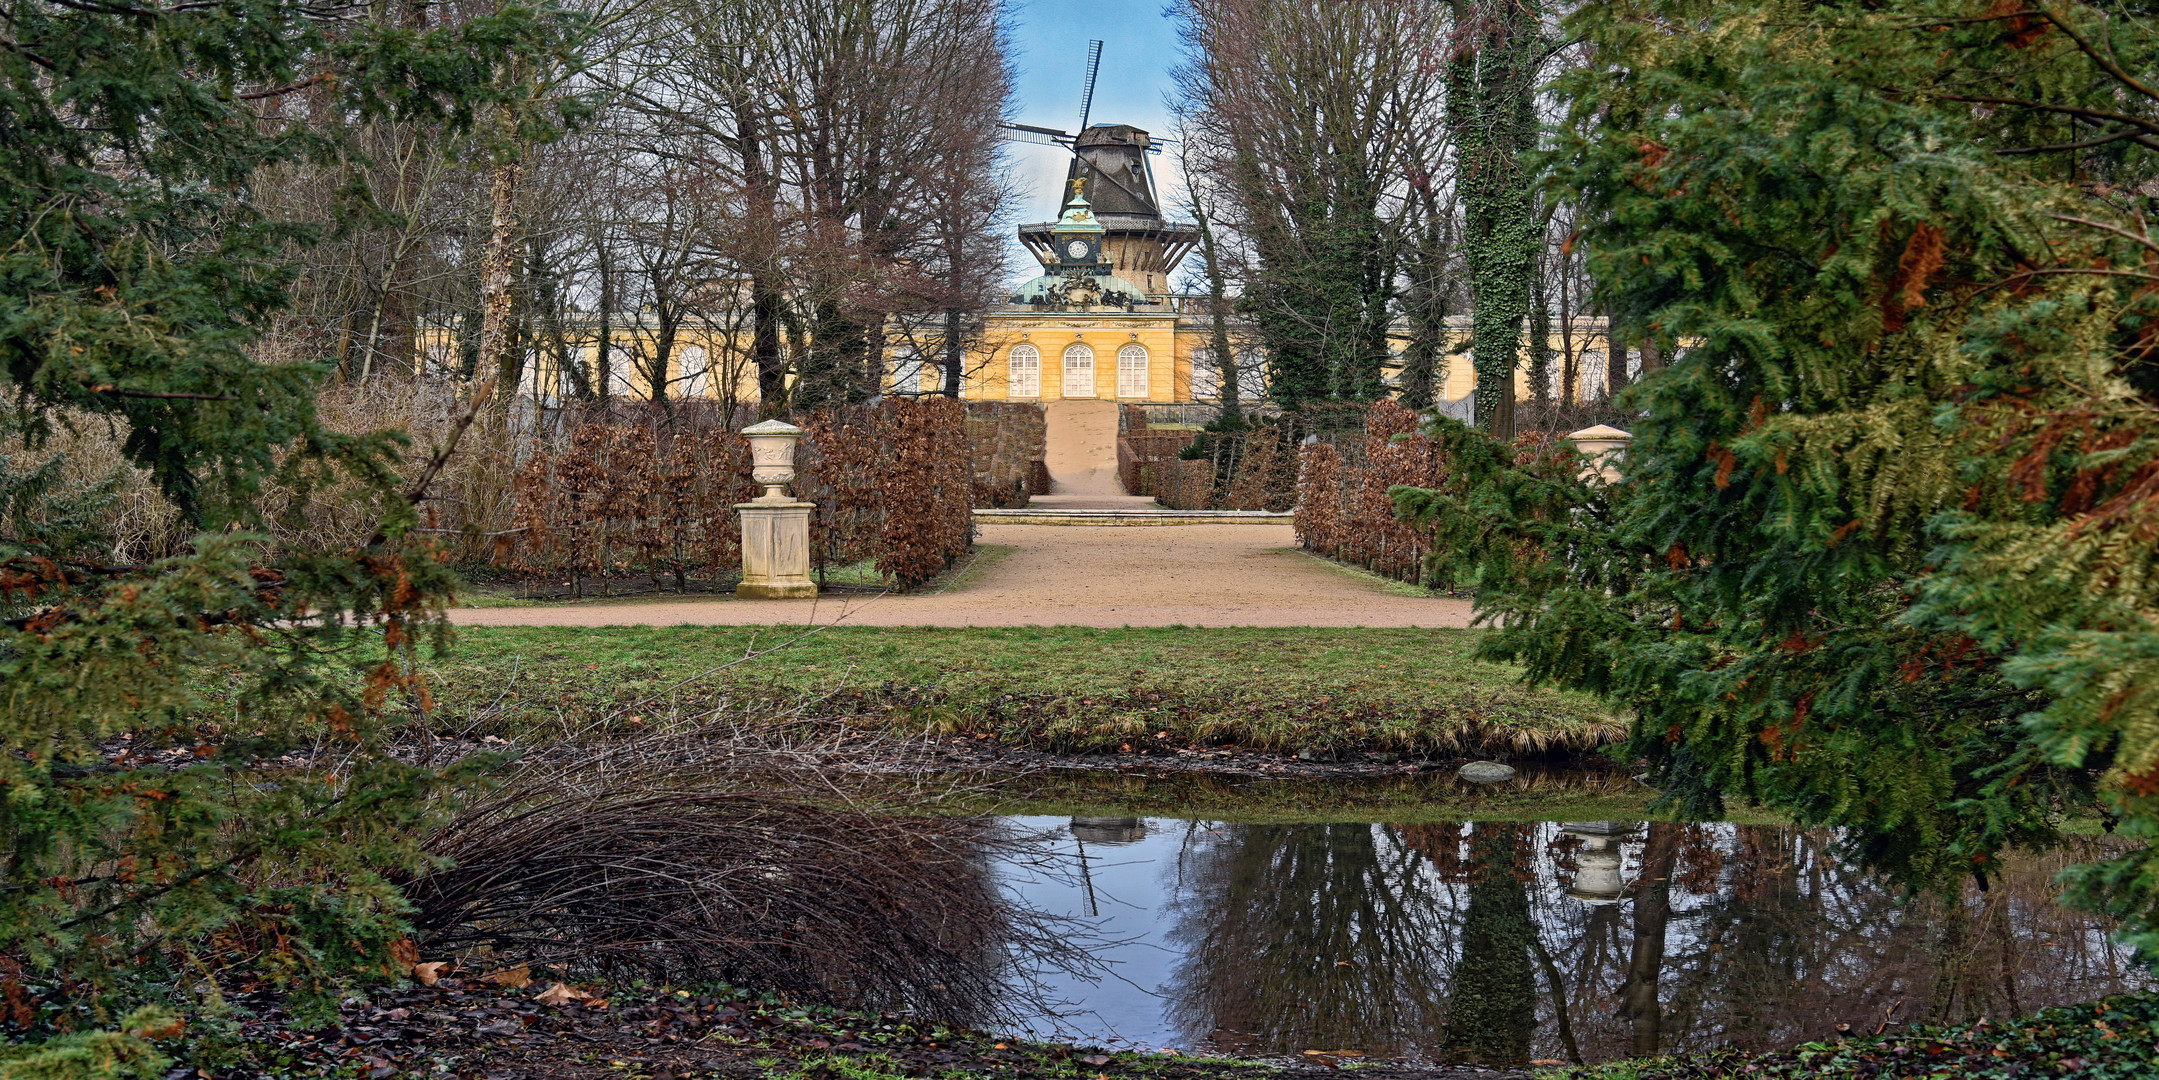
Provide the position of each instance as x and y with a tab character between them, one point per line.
1342	507
893	483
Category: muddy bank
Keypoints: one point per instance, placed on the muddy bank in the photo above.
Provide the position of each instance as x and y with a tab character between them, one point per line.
473	1030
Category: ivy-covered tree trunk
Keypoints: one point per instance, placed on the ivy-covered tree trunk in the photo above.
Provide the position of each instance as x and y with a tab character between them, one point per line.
1492	1007
1638	1000
1491	109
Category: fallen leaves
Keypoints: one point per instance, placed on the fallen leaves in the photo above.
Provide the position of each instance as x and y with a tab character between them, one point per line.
561	994
429	973
516	978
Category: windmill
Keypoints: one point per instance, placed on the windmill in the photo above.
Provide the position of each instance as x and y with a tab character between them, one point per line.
1042	136
1114	159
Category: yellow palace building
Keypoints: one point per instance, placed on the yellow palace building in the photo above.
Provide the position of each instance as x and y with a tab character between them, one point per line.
1099	324
1100	321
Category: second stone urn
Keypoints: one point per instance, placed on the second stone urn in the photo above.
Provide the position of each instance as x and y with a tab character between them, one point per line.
775	525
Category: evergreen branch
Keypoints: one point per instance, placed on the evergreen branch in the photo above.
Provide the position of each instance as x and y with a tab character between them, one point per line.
188	878
2137	137
2106	62
103	9
2149	126
2144	240
286	89
2095	271
160	394
27	54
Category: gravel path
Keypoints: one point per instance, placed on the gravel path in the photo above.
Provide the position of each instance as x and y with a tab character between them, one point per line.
1065	575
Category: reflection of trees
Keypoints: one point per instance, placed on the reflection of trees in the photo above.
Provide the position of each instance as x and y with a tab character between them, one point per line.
1645	959
1754	936
1309	937
1769	941
1492	1008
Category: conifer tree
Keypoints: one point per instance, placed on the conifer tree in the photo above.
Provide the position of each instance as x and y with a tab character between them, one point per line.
142	701
1881	553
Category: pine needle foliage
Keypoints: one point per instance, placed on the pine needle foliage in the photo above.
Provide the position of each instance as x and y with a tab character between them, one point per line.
143	835
1882	555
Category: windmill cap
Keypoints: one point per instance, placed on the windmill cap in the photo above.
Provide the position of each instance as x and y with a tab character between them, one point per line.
1113	135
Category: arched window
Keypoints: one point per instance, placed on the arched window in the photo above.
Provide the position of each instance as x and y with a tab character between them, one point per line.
906	371
1206	381
1079	371
624	380
1132	371
1024	372
696	371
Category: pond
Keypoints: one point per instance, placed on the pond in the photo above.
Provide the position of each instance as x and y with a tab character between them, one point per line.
1522	941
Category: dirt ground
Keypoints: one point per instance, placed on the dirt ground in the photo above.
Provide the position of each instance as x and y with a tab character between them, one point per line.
1066	575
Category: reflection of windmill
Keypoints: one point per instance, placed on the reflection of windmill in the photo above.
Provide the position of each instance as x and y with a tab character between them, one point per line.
1142	247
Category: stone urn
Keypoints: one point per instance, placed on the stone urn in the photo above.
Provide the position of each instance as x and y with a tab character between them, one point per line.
772	457
1601	447
775	526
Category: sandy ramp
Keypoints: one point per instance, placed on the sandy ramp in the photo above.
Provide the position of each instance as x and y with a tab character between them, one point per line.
1080	446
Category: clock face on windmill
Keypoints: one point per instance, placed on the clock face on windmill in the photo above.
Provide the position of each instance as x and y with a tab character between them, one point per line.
1076	251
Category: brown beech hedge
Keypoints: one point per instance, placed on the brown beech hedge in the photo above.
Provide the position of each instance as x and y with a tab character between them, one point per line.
893	483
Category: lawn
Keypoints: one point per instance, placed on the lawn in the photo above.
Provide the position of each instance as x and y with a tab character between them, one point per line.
1063	689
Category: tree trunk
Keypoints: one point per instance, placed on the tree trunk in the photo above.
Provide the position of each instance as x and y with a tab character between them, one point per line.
603	357
497	272
1540	340
764	297
1570	361
1218	344
955	355
1652	911
1491	107
1615	363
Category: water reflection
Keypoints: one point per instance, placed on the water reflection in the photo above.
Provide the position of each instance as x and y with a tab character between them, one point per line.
1503	943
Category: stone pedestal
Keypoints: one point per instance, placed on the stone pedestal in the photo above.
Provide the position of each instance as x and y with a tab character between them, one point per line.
775	551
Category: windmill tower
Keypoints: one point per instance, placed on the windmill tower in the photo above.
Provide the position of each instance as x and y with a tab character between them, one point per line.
1143	247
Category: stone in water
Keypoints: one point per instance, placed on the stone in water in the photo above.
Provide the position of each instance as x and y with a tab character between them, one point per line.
1486	772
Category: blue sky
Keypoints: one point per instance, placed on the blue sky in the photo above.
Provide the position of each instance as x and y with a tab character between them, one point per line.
1139	47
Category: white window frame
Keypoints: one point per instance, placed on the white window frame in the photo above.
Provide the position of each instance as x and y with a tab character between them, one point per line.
623	373
1132	371
1206	381
1023	380
906	372
1079	360
696	366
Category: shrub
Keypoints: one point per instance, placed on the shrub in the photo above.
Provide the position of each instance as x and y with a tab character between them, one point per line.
1879	557
1343	506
